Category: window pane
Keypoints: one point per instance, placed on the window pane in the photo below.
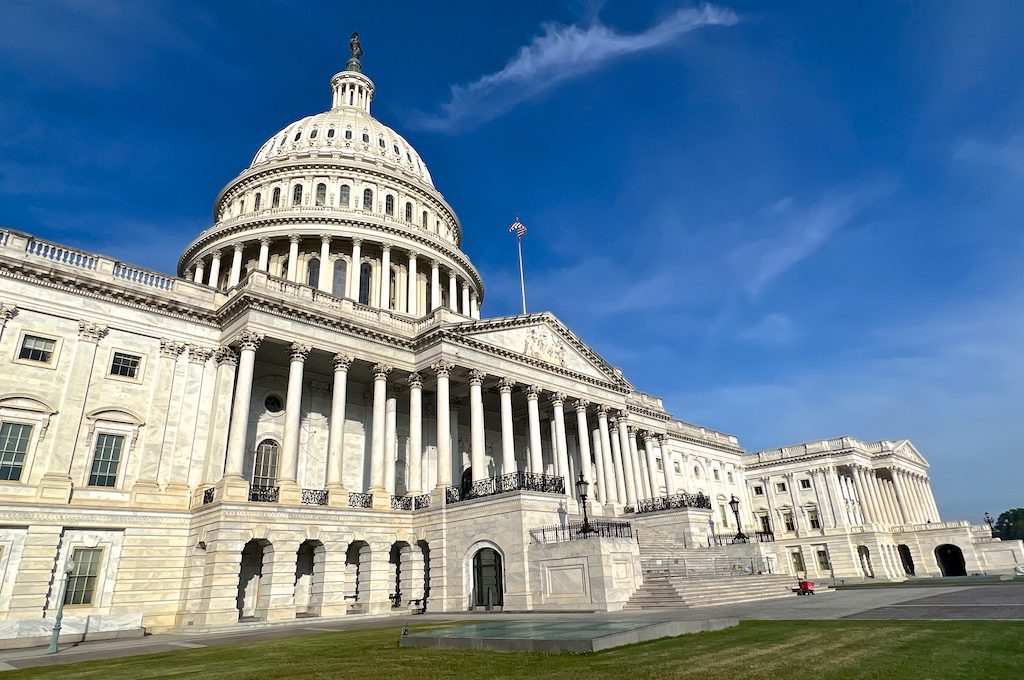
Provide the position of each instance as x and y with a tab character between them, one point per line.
125	365
343	196
340	276
13	445
82	580
37	349
265	465
313	273
106	460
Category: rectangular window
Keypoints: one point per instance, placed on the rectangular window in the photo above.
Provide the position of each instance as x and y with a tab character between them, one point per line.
725	515
106	459
718	475
678	469
788	520
758	490
780	487
13	445
82	580
728	476
125	365
34	348
657	464
805	484
798	562
766	524
823	561
812	519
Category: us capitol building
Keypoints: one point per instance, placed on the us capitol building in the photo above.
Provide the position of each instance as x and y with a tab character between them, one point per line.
313	417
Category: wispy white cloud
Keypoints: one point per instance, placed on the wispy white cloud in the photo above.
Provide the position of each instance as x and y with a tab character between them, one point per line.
1006	155
561	52
771	329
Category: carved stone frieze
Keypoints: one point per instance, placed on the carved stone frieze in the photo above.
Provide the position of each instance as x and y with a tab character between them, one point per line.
542	344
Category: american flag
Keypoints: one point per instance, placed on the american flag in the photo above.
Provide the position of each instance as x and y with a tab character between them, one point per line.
517	228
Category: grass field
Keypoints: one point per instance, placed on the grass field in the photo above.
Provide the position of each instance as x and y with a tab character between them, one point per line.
756	649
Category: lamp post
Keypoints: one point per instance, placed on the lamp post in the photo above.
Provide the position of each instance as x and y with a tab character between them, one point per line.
989	521
582	486
60	607
734	505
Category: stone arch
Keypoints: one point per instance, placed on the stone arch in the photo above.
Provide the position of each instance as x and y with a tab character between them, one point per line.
484	568
400	584
253	598
864	556
357	575
907	558
424	548
950	559
309	578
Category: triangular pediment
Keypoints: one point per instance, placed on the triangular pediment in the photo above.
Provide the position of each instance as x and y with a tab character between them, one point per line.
541	339
905	449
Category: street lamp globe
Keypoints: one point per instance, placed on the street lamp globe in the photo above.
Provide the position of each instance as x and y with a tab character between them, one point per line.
734	504
582	486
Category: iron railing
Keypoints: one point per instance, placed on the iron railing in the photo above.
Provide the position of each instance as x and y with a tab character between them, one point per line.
756	537
422	501
514	481
360	500
697	567
578	530
208	495
679	500
401	502
264	494
314	496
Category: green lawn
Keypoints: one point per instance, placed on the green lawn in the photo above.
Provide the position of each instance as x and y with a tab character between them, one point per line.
756	649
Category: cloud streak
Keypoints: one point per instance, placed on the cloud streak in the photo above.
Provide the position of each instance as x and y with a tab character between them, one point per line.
559	54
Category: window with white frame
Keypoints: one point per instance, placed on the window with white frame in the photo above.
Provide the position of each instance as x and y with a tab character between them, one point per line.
83	577
813	519
725	515
106	459
780	487
728	476
36	348
805	484
658	465
124	365
787	519
758	490
823	561
718	474
264	467
14	439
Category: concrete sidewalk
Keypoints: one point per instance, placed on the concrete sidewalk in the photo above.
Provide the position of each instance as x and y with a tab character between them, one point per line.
977	602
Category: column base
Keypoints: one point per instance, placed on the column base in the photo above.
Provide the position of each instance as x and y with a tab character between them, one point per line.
233	488
437	497
381	498
54	488
148	494
288	493
612	509
594	509
337	497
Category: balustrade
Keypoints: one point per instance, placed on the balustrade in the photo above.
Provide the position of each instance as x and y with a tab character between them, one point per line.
143	276
514	481
314	496
360	500
401	502
208	495
578	530
421	501
264	494
679	500
61	254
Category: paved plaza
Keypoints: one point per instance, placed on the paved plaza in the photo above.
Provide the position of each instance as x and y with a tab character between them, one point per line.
991	602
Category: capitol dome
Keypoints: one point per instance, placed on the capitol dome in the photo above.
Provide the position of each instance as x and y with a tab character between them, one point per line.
342	203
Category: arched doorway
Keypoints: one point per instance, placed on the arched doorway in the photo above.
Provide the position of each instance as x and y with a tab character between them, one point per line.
467	482
400	587
865	561
906	558
251	601
357	567
488	579
951	560
425	549
309	578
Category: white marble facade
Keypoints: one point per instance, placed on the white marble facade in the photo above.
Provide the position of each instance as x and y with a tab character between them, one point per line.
271	431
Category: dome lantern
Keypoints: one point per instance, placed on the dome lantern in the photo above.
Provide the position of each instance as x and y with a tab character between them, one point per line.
350	87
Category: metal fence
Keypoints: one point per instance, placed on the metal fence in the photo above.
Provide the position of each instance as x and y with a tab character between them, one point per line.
697	567
514	481
578	530
679	500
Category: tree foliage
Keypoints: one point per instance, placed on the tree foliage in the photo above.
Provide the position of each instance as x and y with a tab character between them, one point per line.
1010	525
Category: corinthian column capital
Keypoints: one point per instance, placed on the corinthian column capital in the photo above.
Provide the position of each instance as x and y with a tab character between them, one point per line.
250	340
91	332
442	368
476	377
581	405
505	385
380	371
299	352
341	361
415	380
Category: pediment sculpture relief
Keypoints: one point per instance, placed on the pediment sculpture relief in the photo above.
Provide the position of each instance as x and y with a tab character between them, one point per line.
542	344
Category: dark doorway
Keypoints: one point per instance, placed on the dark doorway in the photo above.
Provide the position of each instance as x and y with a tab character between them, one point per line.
907	559
467	482
951	560
487	579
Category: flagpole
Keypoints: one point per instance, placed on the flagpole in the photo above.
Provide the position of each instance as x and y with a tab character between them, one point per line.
522	278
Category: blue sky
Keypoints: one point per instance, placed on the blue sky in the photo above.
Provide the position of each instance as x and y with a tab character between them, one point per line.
792	220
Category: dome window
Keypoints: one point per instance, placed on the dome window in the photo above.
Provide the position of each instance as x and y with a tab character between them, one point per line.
382	144
366	138
408	212
367	199
276	198
397	152
313	273
389	204
297	135
408	157
344	195
340	277
330	133
425	220
312	135
297	195
348	134
364	283
256	201
321	194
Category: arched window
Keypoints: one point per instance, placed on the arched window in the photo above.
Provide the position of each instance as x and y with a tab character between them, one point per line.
348	134
425	219
366	138
389	204
313	273
340	278
297	135
343	195
264	464
397	152
365	274
382	144
321	194
297	195
276	198
284	268
330	133
408	212
312	135
367	199
256	201
393	290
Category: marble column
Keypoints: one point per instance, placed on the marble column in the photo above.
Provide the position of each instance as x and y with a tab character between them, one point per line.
412	294
453	292
583	436
353	269
378	444
508	448
533	413
435	285
384	290
898	497
840	515
293	257
288	472
864	496
602	478
236	266
465	299
337	494
613	462
926	487
823	507
200	271
443	370
220	417
390	444
476	425
561	446
667	464
415	434
237	433
652	465
619	424
474	306
324	277
263	262
634	454
214	280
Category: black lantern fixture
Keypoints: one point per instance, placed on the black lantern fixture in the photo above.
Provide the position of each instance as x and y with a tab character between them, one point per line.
734	505
989	521
582	486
